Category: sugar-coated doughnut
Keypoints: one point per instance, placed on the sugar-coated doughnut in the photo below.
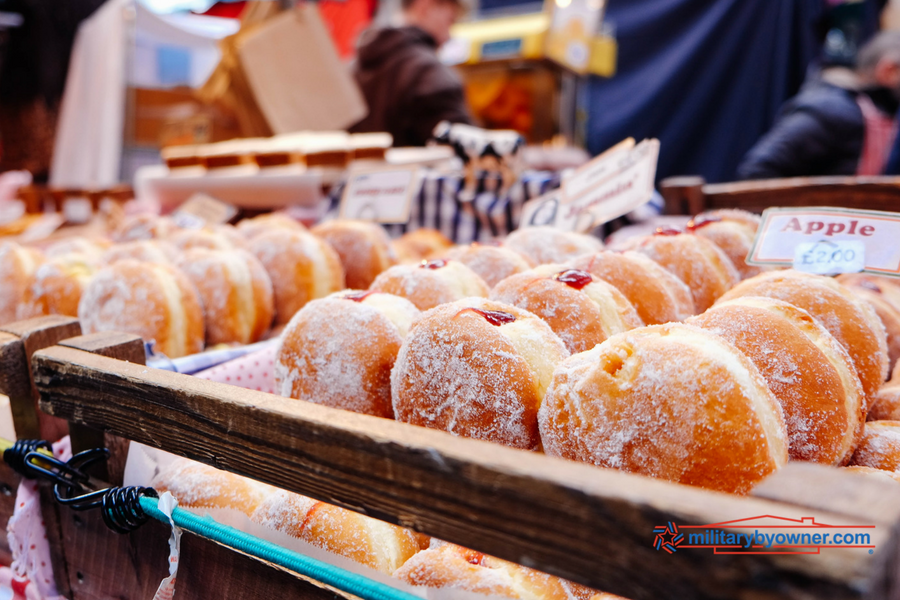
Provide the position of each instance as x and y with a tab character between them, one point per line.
196	485
56	287
339	351
808	370
419	245
144	227
431	283
367	541
543	245
887	404
92	249
880	446
152	300
185	239
698	262
235	293
668	401
582	310
454	567
491	263
250	228
478	369
881	474
302	267
734	238
17	267
895	374
884	298
364	248
657	295
850	321
157	251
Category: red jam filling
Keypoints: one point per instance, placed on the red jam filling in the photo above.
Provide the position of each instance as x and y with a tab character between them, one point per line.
494	317
476	559
359	296
667	231
433	264
701	222
574	278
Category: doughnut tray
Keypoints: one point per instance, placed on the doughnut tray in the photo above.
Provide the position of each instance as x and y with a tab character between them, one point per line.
589	525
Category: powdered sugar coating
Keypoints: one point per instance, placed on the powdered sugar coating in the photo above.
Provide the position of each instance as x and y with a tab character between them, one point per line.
157	251
154	301
735	239
56	287
491	263
458	373
543	245
887	403
196	485
809	372
880	446
364	248
339	353
430	287
185	239
144	227
668	401
17	267
853	323
421	244
283	511
250	228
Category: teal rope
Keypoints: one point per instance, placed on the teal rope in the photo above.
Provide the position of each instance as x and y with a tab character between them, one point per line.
336	577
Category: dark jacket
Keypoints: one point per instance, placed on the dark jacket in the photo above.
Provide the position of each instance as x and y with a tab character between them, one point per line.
407	88
819	132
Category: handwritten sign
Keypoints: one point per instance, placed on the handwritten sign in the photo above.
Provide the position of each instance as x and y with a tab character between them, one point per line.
381	195
826	257
788	233
201	209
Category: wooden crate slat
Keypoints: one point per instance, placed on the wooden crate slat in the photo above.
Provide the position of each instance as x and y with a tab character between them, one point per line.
587	524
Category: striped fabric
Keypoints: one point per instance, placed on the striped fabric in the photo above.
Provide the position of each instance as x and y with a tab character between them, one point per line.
878	138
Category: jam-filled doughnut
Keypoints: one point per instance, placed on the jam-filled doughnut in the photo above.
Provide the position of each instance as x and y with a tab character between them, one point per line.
880	446
419	245
886	406
152	300
364	248
235	292
185	239
367	541
453	567
56	287
698	262
339	351
431	283
884	297
476	368
157	251
92	249
582	310
850	321
302	267
734	215
547	245
810	373
491	263
17	267
657	295
668	401
196	485
252	227
734	238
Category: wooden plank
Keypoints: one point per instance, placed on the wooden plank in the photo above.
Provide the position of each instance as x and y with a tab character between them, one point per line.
587	524
9	483
15	372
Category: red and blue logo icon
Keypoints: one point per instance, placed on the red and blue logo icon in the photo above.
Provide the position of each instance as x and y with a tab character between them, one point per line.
667	537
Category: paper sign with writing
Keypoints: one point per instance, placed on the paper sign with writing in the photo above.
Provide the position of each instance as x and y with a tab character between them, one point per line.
381	195
628	186
597	170
201	209
542	210
826	257
784	229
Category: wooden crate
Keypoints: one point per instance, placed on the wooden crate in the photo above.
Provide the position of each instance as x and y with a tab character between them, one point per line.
590	525
692	195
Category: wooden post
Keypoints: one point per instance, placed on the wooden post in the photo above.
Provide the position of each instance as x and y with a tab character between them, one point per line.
683	195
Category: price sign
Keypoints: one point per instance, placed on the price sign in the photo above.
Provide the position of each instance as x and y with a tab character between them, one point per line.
830	258
800	237
200	210
381	195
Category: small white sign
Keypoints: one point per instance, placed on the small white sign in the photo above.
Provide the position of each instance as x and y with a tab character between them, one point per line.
542	210
783	230
380	195
628	185
827	257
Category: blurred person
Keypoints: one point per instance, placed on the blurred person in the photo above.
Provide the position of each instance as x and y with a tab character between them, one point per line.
407	88
840	124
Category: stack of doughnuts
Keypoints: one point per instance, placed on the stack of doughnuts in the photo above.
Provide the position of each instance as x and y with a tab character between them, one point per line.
731	232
